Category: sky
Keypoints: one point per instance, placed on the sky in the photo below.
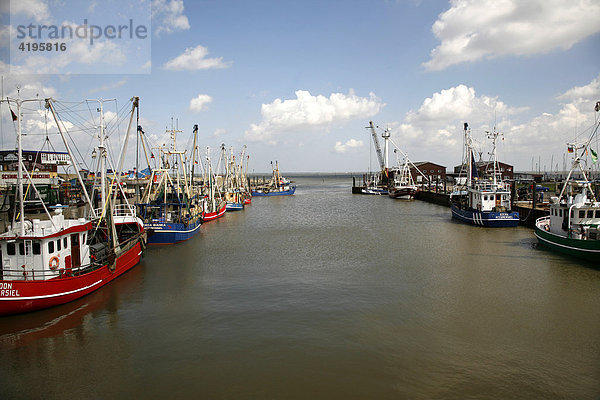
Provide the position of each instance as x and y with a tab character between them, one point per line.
298	82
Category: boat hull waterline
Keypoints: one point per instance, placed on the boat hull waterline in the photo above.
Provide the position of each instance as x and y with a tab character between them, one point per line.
171	233
586	249
288	192
210	216
20	296
489	219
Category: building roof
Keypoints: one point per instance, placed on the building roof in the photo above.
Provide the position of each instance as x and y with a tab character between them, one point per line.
419	163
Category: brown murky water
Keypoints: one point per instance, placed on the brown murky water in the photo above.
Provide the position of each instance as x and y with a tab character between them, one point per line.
326	295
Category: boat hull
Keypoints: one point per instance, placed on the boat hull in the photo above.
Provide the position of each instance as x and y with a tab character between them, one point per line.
372	191
210	216
289	192
24	296
586	249
171	233
234	206
482	218
403	193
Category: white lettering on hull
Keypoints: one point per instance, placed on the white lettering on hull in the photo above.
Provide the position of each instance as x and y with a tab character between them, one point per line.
9	293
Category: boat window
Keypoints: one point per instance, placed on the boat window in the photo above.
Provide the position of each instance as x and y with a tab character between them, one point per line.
11	249
590	214
581	213
597	213
51	247
560	212
65	243
21	248
83	238
37	248
58	244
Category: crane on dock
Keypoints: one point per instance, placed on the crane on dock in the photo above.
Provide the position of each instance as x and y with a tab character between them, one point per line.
382	161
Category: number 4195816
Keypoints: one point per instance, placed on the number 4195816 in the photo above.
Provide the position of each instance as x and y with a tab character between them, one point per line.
26	46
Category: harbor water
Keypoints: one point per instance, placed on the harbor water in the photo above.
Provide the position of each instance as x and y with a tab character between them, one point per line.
323	295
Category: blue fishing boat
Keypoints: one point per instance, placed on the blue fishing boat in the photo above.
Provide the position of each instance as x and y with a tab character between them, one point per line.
170	223
171	207
482	201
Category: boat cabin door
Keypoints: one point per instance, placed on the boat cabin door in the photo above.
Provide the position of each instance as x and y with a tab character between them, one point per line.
75	252
28	252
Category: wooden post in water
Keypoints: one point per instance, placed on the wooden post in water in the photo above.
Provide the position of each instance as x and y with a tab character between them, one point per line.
513	194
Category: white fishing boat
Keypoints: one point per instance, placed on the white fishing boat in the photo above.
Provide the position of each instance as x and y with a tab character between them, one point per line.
573	226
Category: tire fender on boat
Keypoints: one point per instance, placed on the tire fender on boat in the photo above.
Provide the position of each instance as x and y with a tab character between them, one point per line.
54	262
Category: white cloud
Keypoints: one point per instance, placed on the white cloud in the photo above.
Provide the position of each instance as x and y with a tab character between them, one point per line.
434	131
307	111
474	29
193	58
36	9
350	144
198	103
588	91
551	131
168	16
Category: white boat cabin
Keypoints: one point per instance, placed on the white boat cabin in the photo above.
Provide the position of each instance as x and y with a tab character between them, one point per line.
49	249
577	216
487	196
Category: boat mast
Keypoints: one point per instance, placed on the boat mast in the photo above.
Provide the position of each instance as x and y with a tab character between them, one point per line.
102	156
468	154
493	136
20	171
577	158
194	151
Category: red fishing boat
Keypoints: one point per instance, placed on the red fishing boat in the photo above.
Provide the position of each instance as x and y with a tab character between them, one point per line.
45	263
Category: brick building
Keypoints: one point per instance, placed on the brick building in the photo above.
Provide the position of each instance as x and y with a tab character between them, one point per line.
485	168
47	161
434	172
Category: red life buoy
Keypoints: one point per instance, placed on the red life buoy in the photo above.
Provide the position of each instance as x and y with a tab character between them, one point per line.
54	261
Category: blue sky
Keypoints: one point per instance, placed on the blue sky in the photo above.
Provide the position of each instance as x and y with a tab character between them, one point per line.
298	81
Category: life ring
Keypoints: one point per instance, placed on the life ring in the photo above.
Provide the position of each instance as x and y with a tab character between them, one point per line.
52	263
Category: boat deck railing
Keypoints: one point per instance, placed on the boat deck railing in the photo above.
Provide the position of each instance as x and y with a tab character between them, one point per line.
120	210
32	274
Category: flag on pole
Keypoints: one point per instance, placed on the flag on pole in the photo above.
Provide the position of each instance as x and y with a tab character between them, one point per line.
594	156
14	116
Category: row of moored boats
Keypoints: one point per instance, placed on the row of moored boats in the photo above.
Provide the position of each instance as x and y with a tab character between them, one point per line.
51	259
